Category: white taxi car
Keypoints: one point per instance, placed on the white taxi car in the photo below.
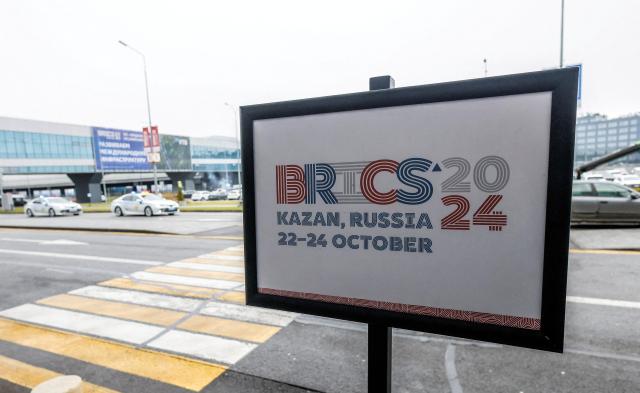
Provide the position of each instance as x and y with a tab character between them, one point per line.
51	206
143	204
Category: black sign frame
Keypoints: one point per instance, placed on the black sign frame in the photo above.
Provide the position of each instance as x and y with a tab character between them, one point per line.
562	83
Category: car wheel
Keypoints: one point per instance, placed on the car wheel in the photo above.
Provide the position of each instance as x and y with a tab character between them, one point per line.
29	213
118	211
52	213
148	212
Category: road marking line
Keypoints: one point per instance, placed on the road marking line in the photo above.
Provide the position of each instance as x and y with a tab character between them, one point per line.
82	257
230	252
154	316
193	281
125	331
139	298
175	290
197	273
248	313
450	368
206	347
216	309
29	376
223	237
214	255
207	267
238	330
603	252
218	262
603	302
171	369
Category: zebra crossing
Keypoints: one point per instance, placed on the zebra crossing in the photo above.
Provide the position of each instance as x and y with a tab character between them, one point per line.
181	323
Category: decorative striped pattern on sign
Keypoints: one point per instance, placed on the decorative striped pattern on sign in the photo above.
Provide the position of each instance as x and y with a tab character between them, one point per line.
470	316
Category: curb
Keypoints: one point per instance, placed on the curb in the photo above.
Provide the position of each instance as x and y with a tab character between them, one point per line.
79	229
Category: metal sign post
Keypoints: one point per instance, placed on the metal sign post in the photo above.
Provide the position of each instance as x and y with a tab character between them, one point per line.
383	207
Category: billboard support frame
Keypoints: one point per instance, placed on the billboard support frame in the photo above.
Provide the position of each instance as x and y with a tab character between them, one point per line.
562	84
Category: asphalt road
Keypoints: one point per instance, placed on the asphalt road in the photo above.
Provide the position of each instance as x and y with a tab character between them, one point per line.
201	224
316	354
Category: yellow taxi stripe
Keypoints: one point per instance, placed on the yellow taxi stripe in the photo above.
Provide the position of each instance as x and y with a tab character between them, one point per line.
604	252
155	316
167	289
171	369
197	273
211	261
230	328
29	376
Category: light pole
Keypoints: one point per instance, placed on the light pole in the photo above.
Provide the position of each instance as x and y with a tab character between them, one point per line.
562	34
146	85
235	117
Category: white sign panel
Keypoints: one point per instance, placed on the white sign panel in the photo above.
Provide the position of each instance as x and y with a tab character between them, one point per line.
468	234
434	209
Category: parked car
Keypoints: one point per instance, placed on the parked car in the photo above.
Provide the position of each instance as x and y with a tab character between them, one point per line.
218	194
18	200
604	202
188	193
235	194
51	206
200	196
631	181
143	204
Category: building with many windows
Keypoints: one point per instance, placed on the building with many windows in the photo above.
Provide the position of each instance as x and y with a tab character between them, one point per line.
44	155
597	135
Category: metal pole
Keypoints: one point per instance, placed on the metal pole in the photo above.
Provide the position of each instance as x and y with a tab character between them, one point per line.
379	335
562	34
238	145
485	67
146	86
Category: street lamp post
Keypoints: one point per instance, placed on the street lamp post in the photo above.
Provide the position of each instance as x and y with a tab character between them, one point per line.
562	33
235	117
146	85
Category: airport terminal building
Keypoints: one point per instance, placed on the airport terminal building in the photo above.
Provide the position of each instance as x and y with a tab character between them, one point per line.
597	135
37	156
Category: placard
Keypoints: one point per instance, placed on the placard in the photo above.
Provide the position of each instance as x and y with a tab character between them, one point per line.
441	208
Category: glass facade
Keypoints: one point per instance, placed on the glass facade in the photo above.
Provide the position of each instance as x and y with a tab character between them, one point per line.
596	135
17	144
225	150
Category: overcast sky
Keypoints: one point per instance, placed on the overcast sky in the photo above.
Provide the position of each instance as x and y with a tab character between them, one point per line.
60	60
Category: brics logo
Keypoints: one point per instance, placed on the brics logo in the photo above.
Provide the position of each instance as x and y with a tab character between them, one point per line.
353	182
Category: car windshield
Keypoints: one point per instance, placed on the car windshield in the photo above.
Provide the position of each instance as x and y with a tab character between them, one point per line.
152	197
57	200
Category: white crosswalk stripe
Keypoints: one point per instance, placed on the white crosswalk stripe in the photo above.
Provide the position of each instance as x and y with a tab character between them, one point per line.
207	267
193	281
213	308
116	329
227	257
203	346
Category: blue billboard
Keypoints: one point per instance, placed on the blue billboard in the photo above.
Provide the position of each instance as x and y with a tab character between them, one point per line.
119	150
